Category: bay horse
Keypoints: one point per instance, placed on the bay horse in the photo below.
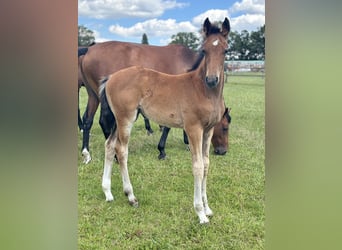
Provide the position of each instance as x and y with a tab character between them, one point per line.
103	59
192	101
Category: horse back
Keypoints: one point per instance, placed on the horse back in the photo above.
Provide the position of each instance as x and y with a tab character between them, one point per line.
106	58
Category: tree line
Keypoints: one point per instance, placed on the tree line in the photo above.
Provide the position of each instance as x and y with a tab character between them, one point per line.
243	45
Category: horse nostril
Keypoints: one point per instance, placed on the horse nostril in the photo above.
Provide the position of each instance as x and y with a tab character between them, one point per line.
211	79
220	151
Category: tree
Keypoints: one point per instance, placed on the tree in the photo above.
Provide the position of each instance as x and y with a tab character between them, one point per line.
188	39
144	39
247	46
257	44
235	45
85	36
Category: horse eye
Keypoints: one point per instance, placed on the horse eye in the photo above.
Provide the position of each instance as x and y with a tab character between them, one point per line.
226	51
203	51
225	129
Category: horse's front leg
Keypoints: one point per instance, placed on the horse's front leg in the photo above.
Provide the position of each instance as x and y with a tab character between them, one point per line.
186	140
162	142
195	141
205	153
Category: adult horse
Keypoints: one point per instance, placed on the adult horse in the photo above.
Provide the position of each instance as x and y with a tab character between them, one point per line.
192	101
106	58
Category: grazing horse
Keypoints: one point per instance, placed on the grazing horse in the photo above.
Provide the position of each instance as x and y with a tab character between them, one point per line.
219	140
107	58
192	101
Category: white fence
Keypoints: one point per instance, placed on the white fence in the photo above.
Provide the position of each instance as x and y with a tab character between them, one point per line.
245	66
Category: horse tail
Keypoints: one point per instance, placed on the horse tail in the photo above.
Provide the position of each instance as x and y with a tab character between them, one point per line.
107	119
102	88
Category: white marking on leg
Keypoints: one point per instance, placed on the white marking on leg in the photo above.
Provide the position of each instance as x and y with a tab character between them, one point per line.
198	179
207	209
206	147
107	169
86	156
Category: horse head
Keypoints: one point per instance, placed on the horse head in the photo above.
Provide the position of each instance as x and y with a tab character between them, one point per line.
221	132
214	48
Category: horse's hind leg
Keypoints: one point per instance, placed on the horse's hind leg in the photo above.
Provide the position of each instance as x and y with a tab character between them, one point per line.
107	120
107	170
88	119
80	123
121	150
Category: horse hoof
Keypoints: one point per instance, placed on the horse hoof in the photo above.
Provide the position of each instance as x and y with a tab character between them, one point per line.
109	199
204	221
86	159
161	157
86	156
209	212
134	203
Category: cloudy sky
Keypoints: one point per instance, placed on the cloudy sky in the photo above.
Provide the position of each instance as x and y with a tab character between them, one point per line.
127	20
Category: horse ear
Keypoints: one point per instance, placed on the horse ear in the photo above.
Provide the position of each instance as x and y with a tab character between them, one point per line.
226	112
227	115
206	26
225	27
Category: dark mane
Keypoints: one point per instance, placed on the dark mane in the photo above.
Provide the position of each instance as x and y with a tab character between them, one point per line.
197	62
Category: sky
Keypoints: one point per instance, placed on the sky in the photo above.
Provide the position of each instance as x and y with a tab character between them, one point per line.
128	20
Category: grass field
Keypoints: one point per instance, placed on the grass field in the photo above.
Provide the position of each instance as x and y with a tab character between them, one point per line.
165	218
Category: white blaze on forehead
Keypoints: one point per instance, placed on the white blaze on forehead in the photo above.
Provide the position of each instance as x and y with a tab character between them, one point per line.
216	42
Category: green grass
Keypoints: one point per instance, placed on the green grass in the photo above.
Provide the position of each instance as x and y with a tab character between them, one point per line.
165	218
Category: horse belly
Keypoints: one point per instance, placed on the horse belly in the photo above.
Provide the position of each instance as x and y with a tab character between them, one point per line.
162	113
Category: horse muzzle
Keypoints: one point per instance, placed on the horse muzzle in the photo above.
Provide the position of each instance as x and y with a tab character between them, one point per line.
211	81
220	151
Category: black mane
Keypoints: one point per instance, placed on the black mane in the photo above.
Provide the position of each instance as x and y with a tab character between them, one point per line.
197	62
